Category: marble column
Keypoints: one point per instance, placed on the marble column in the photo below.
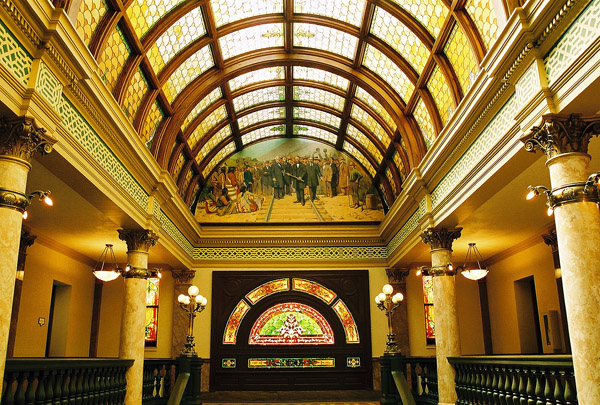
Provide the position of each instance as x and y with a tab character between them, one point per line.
397	279
183	281
447	338
20	141
134	308
564	140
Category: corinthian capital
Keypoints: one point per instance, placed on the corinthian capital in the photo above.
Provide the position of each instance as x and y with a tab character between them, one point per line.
21	139
138	240
561	133
183	276
441	238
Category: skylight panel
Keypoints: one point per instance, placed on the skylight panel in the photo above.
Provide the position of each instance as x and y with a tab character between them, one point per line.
251	39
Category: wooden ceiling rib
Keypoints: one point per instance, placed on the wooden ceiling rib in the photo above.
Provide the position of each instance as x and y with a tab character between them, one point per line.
176	111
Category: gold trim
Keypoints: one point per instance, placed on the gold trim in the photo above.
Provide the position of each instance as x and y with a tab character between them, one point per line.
13	200
136	272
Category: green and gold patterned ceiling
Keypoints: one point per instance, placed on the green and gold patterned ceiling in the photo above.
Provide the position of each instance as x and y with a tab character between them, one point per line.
202	79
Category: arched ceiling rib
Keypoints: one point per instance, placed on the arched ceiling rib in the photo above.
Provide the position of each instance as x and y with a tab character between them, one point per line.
202	79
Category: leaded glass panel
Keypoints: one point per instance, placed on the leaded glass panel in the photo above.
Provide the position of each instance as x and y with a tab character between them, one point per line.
369	100
461	56
201	106
260	96
390	177
186	183
390	72
350	11
320	76
431	13
371	124
401	38
217	138
314	132
318	96
135	92
425	123
208	123
181	159
175	38
151	123
365	142
222	154
226	11
113	57
312	114
191	68
251	39
356	154
262	133
90	14
257	76
438	87
399	165
483	14
143	14
325	38
266	114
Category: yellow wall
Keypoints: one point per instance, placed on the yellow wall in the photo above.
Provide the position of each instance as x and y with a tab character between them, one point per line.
42	267
534	261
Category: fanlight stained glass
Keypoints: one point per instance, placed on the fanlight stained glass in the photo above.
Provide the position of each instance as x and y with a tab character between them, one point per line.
291	323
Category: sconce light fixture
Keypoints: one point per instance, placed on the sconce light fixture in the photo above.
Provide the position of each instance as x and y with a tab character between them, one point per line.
473	273
19	201
387	302
107	268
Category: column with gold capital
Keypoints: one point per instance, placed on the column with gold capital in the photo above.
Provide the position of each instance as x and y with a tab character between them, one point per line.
447	338
574	199
183	280
20	141
134	308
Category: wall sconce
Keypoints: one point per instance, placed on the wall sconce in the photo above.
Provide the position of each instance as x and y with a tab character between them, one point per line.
445	270
388	303
106	268
478	272
19	201
568	193
192	304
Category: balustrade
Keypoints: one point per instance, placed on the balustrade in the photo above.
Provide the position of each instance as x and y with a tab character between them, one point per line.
421	374
159	377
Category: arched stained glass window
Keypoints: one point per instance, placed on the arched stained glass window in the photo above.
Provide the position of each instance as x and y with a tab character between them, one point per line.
291	323
151	325
429	315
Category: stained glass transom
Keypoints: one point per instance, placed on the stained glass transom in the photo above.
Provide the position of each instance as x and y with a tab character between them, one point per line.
390	72
312	114
320	76
461	56
261	115
441	95
314	132
262	133
222	154
350	11
325	38
431	14
234	321
313	288
369	100
260	96
251	39
226	11
425	124
371	124
191	68
212	143
318	96
365	142
268	288
291	323
356	154
257	76
208	123
482	13
201	106
401	38
176	37
112	59
90	14
150	125
347	320
144	13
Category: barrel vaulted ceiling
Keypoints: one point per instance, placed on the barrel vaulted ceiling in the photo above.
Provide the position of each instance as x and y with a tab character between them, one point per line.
203	79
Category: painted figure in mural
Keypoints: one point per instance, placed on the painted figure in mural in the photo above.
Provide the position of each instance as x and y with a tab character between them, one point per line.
327	176
210	200
343	177
266	178
313	172
334	176
231	181
287	181
222	178
277	176
224	204
354	177
248	202
299	175
248	179
257	178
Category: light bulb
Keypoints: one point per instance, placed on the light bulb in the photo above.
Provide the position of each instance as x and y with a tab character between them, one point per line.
388	289
48	201
186	300
398	297
181	298
418	272
377	300
193	290
199	299
25	215
381	297
550	211
530	195
204	301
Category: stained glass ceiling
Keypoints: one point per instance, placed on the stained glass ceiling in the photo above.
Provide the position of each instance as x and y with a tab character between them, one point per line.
202	79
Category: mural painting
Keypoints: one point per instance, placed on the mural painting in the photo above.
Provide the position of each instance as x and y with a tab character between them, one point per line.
289	180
